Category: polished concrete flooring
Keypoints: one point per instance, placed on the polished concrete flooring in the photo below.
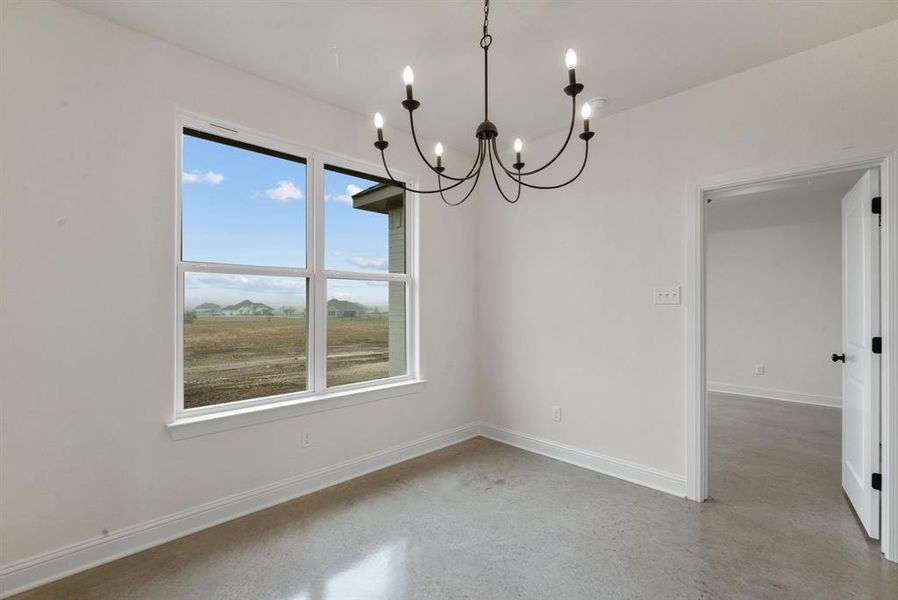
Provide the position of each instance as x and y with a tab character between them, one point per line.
487	521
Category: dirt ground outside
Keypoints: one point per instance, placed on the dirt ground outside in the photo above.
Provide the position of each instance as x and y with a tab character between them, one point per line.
236	358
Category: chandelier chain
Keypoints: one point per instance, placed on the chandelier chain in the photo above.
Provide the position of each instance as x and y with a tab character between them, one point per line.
487	39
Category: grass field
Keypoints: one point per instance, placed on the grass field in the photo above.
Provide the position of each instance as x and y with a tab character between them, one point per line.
236	358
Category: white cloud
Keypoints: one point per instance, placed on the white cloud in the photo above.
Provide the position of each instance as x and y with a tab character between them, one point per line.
377	263
210	177
245	283
346	198
285	191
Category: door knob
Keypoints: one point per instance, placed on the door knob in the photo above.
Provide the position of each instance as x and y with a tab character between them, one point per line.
838	357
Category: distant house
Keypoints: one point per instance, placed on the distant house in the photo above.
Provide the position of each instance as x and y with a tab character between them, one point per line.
247	307
344	309
208	308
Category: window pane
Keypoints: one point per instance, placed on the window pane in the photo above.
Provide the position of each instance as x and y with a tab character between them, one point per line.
365	330
364	224
240	206
244	337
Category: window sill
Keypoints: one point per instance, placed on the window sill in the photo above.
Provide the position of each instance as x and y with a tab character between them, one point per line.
188	427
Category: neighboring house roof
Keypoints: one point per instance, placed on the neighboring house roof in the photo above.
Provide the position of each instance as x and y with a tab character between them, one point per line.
380	198
345	305
249	305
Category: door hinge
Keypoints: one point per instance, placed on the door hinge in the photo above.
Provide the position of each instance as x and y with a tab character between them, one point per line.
876	481
877	345
876	205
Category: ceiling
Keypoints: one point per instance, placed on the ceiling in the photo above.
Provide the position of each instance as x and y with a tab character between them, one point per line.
798	200
351	53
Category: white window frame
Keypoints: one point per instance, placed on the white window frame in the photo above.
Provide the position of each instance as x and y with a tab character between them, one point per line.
317	397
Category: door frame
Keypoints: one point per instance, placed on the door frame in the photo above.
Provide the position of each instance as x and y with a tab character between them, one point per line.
886	160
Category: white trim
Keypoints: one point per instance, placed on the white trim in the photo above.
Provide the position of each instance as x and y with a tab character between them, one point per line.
26	574
888	191
886	159
621	469
694	297
207	267
367	275
317	290
774	394
292	405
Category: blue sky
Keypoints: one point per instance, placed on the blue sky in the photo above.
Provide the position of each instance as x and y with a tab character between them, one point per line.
244	207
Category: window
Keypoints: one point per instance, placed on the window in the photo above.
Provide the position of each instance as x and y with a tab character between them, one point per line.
287	289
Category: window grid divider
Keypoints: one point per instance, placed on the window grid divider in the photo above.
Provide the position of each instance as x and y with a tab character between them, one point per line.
319	282
187	266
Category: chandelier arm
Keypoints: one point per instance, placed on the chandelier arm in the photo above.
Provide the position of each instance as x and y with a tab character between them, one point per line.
499	186
411	120
414	191
560	185
473	185
570	131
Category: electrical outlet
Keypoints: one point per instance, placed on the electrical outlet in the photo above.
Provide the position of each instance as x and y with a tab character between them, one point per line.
306	439
759	369
556	413
666	294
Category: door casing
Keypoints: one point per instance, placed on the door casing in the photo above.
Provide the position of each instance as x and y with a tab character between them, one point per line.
886	160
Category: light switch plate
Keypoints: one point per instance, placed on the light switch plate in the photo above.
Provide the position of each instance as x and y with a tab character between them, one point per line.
666	294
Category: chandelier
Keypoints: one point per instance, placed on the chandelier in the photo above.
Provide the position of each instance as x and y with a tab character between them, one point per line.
486	134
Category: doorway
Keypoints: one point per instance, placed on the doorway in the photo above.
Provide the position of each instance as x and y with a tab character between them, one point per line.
699	484
788	268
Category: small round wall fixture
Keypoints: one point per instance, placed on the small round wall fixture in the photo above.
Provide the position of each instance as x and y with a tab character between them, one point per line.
486	133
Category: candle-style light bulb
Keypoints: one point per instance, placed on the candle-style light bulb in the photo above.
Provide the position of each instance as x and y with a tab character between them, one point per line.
379	124
438	150
586	111
408	76
570	59
518	146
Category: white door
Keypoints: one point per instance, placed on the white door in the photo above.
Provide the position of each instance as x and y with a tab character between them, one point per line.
860	371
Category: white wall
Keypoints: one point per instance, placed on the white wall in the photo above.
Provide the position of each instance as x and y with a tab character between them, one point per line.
774	294
566	277
86	255
563	278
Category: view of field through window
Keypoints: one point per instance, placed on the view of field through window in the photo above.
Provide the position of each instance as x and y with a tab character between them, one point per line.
245	333
365	341
244	337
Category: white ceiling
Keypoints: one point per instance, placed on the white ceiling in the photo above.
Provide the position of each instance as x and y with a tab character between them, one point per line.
799	200
828	184
351	53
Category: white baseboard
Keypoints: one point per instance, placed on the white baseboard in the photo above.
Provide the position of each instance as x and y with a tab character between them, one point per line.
773	394
29	573
26	574
615	467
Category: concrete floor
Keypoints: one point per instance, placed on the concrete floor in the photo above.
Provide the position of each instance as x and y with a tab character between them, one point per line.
484	520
